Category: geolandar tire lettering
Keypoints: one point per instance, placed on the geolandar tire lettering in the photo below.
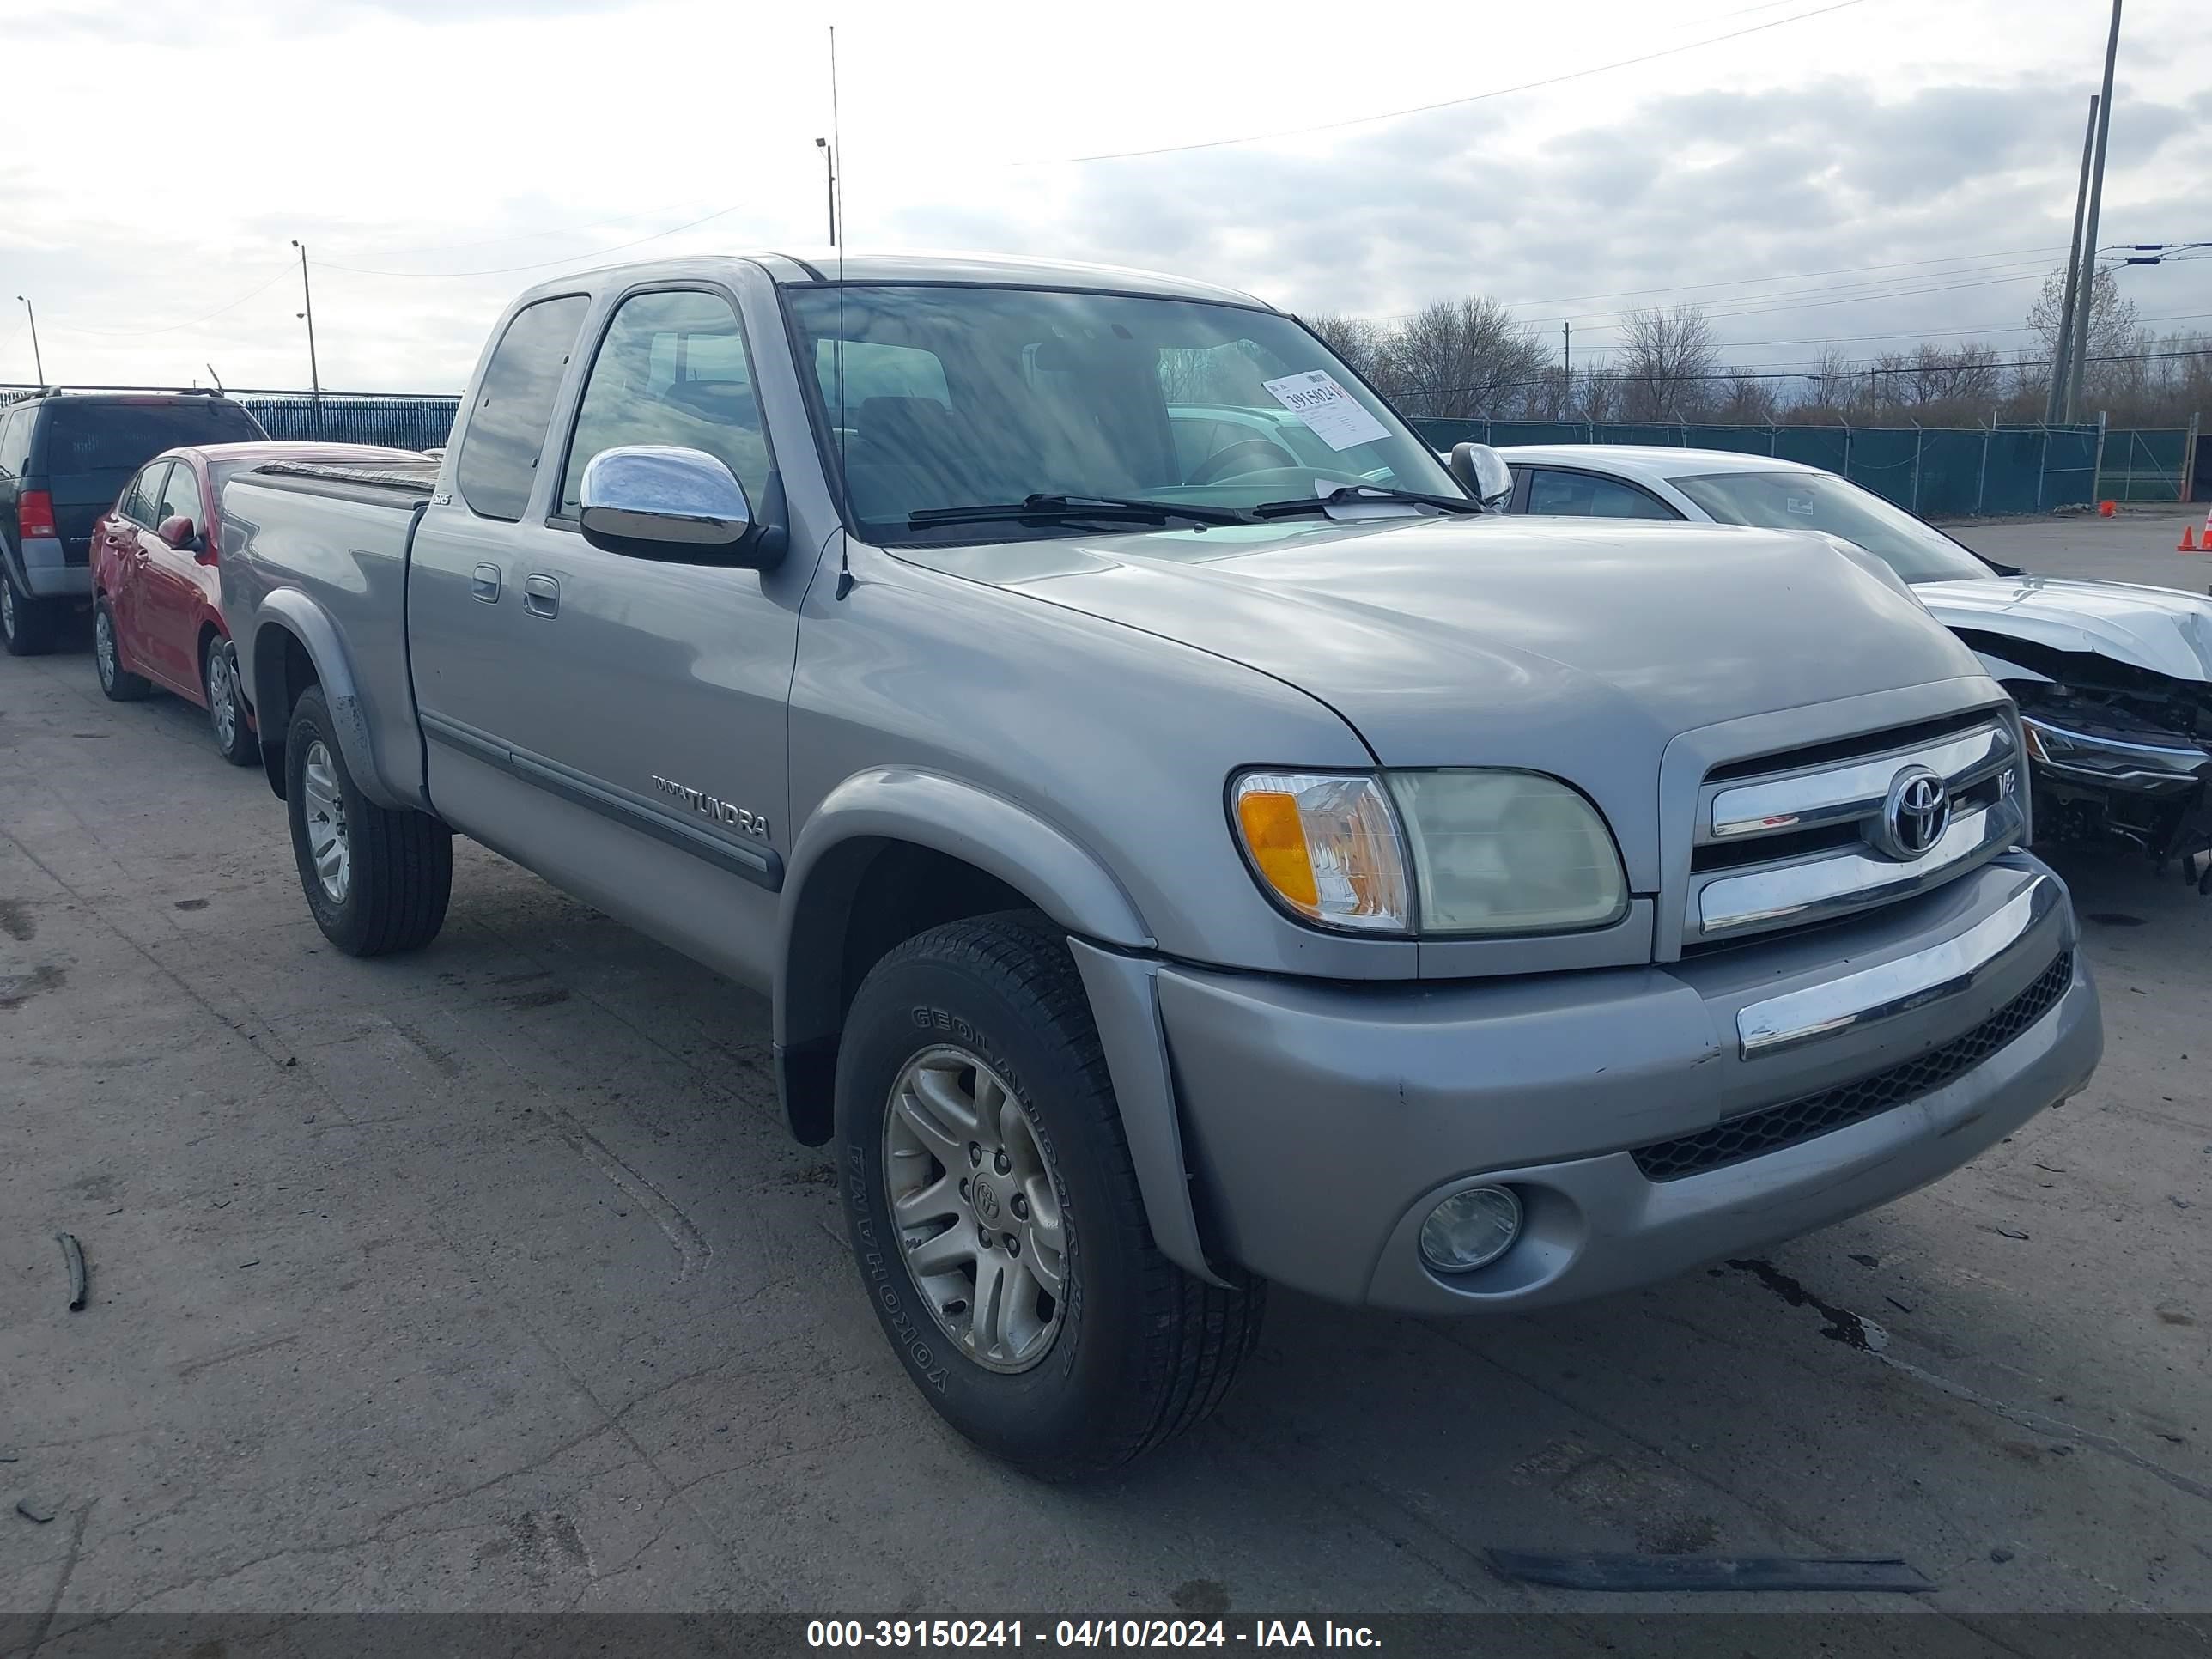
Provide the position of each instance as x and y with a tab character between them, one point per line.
995	1216
377	880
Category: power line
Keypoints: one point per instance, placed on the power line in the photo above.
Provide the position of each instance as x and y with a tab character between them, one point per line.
541	264
1740	282
1447	103
283	271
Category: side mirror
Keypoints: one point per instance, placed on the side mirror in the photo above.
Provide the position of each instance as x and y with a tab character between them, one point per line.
177	531
684	506
1482	472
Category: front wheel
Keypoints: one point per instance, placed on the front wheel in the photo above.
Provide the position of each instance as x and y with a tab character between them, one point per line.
377	880
233	738
996	1216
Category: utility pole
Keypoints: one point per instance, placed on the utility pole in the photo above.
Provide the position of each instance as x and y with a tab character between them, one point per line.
2089	228
2055	404
37	360
829	179
1567	367
314	374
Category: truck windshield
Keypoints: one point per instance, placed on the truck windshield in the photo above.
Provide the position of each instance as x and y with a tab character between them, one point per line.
1820	500
936	396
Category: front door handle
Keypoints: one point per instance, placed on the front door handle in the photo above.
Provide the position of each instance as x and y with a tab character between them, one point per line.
483	584
541	596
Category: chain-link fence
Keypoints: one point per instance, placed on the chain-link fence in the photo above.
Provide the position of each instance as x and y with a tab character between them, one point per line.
1933	471
400	422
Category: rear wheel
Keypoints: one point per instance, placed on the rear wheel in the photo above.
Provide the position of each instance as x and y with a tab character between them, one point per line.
995	1214
27	625
377	880
117	682
233	738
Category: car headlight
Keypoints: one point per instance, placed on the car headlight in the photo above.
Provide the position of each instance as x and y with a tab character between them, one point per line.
1490	851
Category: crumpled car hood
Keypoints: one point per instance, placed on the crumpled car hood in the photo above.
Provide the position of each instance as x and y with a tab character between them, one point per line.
2159	628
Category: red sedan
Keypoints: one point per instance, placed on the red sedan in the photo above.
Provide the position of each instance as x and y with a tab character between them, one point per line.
157	592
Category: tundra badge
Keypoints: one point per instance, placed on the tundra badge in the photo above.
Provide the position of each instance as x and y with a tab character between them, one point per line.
738	818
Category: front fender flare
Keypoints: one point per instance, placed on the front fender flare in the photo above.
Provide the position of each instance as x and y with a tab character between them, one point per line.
290	613
1057	874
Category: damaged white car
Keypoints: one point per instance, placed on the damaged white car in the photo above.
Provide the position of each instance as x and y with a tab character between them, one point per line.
2114	679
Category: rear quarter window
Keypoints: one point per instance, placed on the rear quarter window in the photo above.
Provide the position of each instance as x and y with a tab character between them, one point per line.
513	407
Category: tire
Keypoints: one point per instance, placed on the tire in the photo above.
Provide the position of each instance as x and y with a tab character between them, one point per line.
1134	1351
233	738
120	685
393	871
27	625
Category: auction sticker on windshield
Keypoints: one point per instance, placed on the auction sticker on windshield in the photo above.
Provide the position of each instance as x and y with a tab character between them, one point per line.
1338	419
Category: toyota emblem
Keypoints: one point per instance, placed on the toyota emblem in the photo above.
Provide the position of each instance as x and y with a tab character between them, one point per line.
1914	816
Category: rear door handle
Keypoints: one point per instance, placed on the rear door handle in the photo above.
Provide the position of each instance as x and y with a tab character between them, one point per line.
541	596
483	584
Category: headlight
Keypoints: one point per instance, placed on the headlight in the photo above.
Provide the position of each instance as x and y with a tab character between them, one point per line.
1326	844
1491	852
1507	853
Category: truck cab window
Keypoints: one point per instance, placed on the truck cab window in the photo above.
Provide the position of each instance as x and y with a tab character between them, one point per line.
514	406
673	369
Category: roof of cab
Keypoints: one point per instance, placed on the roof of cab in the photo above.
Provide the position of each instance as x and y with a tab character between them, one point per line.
806	266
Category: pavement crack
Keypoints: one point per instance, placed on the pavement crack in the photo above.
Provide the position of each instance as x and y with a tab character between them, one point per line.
2052	1427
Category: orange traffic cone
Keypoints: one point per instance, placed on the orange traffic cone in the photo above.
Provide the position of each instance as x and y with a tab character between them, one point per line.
2187	539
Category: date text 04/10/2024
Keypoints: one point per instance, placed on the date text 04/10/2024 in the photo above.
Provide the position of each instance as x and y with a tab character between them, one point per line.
1086	1633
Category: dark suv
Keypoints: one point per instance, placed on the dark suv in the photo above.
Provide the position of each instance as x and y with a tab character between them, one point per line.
64	457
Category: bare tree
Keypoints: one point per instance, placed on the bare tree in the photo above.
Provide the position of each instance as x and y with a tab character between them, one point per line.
1468	358
1746	398
1667	360
2114	325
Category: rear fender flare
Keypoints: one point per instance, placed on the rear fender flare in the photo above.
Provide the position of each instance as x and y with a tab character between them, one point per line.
289	614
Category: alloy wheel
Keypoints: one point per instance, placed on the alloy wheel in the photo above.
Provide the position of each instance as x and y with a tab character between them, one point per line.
7	607
103	647
976	1206
324	811
223	695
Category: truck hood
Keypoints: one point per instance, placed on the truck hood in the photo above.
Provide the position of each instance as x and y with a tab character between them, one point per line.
2159	628
1569	646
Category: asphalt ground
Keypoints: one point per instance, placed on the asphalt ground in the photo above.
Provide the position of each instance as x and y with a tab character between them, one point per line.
486	1279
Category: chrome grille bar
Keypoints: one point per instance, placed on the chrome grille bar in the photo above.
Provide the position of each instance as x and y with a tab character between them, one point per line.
1807	799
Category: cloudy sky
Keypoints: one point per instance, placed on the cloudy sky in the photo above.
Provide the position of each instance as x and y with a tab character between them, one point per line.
1860	172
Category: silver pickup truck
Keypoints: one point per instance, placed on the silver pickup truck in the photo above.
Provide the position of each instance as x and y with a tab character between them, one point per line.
1187	843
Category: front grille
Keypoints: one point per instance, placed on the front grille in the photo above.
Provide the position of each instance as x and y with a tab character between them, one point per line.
1775	1126
1796	839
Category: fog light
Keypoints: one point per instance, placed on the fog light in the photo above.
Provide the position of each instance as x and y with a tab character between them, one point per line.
1471	1229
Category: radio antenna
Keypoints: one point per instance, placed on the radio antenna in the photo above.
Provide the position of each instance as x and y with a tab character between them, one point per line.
838	351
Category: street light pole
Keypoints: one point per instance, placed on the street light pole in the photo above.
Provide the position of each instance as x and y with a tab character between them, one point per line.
2063	352
37	360
2089	229
314	374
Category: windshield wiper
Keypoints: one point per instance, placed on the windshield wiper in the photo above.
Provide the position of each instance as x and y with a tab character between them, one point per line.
1356	494
1050	509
